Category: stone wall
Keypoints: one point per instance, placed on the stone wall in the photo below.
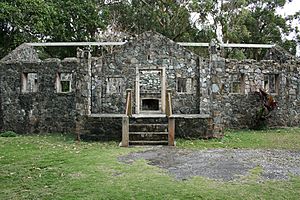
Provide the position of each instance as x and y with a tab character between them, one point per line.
42	111
37	96
104	128
194	127
280	80
150	51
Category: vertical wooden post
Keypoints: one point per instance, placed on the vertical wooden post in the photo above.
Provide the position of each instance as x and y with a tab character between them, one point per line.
125	131
137	90
163	90
171	128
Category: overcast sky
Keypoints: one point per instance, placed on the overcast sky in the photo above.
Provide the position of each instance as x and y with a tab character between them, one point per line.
289	9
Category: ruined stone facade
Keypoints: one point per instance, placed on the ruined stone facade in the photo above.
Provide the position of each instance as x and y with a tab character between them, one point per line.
88	94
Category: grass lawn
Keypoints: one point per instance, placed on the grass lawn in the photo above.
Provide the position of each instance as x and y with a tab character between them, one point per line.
56	167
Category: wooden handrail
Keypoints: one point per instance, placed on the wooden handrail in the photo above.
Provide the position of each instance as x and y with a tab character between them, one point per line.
169	103
128	109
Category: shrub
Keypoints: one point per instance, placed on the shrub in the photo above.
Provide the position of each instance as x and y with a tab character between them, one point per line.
8	134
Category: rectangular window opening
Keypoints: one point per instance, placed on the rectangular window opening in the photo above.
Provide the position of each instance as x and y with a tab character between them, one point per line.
63	82
271	83
238	84
114	85
181	85
29	82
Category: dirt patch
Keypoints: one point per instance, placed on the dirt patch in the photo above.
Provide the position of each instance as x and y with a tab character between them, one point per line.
220	164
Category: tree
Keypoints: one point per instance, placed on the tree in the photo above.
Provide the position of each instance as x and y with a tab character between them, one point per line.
52	20
247	21
164	16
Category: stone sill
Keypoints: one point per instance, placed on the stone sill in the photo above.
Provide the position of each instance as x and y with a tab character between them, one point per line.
108	115
191	116
184	116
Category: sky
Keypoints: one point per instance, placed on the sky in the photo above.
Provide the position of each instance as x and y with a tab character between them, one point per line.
289	9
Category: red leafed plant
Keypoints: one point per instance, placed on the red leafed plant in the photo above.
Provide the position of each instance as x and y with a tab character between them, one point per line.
268	104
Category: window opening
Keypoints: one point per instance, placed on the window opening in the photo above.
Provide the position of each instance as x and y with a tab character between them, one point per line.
29	82
63	82
271	83
238	84
181	84
114	85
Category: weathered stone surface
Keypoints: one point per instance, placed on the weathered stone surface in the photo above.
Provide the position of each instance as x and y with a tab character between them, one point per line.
224	90
23	53
41	111
102	128
193	128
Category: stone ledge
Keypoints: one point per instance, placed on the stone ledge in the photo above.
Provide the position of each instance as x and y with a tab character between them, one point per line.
108	115
185	116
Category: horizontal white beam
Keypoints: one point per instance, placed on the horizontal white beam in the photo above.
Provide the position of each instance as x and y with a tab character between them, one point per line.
66	44
193	44
185	44
247	45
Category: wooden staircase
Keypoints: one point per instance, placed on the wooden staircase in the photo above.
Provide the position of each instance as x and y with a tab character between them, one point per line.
148	129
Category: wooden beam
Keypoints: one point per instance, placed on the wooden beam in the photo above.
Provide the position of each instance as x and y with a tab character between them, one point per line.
267	46
185	44
193	44
66	44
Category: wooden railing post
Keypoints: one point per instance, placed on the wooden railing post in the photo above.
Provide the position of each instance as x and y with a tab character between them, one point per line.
125	131
171	119
171	128
168	103
128	109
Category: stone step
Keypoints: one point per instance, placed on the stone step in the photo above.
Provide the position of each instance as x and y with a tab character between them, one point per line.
148	127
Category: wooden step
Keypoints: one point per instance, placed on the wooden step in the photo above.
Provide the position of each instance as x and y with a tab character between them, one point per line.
148	133
148	124
148	127
148	142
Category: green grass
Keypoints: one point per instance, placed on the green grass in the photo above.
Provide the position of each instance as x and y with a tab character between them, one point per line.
56	167
288	139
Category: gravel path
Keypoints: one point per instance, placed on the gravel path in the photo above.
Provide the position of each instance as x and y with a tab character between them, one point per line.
220	164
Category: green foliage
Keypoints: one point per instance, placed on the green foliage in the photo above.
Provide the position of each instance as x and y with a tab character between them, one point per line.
236	54
56	167
53	20
163	16
249	21
8	134
240	21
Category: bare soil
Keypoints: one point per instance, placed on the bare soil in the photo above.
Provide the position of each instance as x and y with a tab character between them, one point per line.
220	164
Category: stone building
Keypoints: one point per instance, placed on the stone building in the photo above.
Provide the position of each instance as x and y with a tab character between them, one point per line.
145	90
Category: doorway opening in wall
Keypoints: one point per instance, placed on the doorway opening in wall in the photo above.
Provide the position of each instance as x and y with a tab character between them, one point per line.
150	105
150	91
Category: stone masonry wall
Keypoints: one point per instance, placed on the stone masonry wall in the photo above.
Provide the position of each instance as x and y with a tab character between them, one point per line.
238	109
36	98
42	111
150	51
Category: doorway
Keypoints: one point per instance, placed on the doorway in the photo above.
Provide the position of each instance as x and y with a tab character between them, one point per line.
150	91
